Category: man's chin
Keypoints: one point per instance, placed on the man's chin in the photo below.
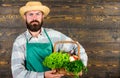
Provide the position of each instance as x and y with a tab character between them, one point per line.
34	30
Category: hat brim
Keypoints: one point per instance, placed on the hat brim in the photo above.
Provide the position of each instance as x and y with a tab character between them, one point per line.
43	9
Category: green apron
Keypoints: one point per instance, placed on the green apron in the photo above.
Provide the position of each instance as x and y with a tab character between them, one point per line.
36	53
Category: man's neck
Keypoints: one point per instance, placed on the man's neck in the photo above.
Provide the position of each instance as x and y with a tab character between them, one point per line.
35	34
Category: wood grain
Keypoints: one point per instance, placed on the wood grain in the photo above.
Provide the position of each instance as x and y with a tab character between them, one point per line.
94	23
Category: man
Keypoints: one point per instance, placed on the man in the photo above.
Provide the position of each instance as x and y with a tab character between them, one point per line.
32	46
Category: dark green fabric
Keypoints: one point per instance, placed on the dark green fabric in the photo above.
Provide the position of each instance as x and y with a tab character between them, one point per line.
36	53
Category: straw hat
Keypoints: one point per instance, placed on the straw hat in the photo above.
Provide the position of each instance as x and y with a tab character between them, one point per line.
34	5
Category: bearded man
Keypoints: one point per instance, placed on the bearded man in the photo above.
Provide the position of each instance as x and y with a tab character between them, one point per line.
31	47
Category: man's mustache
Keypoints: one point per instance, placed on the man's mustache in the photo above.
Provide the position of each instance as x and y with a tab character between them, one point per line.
34	21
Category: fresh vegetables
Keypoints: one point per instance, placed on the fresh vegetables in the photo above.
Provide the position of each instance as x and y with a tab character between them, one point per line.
56	60
73	58
75	66
59	60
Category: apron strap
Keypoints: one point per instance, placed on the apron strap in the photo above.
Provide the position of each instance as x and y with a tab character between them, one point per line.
48	38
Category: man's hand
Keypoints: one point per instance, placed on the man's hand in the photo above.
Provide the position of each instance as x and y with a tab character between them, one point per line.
80	74
51	74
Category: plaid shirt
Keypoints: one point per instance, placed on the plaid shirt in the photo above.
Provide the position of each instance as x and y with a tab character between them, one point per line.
19	51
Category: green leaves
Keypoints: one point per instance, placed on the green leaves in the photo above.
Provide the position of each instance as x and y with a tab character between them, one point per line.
74	67
56	60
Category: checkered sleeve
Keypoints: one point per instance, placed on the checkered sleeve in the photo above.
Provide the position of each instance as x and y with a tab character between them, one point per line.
18	63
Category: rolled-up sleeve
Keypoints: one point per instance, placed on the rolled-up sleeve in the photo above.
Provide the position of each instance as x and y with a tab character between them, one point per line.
83	55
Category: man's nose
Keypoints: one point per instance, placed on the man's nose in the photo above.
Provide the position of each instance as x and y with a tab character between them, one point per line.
34	17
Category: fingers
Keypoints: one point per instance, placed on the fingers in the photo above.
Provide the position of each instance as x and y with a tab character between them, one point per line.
57	75
52	74
80	74
53	71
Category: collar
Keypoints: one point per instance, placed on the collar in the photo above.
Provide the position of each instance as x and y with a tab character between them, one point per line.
29	36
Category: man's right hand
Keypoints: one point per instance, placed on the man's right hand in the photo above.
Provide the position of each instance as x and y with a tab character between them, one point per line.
51	74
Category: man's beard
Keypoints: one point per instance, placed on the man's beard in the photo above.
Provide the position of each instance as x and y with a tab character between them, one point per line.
34	27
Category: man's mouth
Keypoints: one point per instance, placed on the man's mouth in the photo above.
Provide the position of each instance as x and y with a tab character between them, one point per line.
34	22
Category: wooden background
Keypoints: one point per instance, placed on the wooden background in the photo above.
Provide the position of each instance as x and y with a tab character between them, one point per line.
94	23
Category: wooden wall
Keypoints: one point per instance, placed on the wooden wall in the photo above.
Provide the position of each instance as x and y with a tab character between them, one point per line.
94	23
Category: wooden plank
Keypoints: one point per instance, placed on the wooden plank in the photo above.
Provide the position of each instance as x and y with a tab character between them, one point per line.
92	35
82	35
70	8
96	72
95	37
101	46
90	22
9	34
